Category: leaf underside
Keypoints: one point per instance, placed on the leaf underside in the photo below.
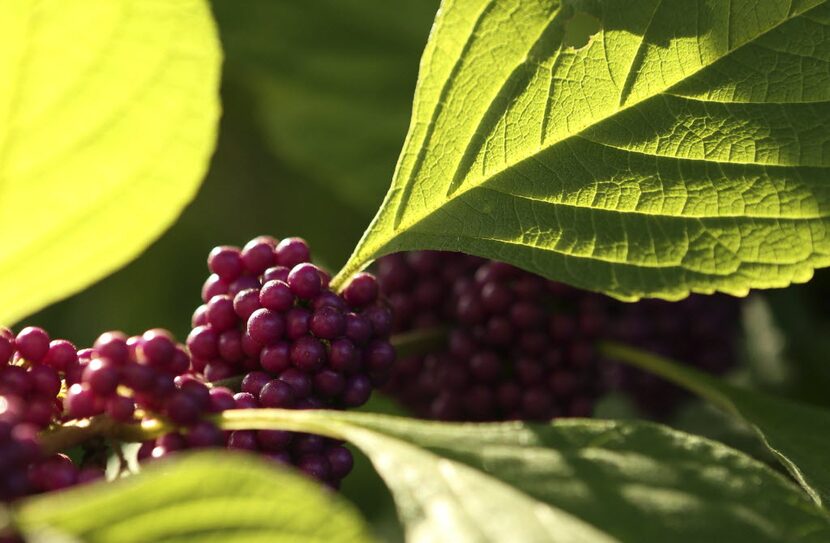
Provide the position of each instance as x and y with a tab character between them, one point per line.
797	434
572	480
108	114
684	147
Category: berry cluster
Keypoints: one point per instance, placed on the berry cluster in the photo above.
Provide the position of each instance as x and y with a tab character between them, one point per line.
520	347
119	374
32	369
269	316
701	331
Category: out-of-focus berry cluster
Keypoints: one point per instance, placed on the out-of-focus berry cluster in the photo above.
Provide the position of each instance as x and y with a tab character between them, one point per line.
701	331
522	347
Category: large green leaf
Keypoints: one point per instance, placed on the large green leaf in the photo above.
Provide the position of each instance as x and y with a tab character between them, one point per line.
202	497
637	147
108	113
578	480
332	83
797	434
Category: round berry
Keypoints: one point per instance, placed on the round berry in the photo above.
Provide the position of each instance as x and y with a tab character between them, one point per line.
329	384
276	393
80	401
221	314
203	342
45	380
62	354
276	358
357	391
204	434
362	290
265	326
340	460
308	354
258	254
214	286
246	302
113	346
299	381
230	346
297	322
157	347
102	376
328	323
343	356
304	280
292	251
226	262
276	273
221	399
32	343
253	382
121	408
277	296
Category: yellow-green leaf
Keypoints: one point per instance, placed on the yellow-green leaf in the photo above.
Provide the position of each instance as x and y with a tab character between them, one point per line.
108	114
634	147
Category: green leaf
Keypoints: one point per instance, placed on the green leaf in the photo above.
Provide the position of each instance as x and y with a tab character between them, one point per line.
572	480
332	79
108	114
797	434
639	148
209	496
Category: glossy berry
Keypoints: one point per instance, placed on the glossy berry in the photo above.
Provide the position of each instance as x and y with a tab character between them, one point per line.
304	280
292	251
226	262
32	343
362	290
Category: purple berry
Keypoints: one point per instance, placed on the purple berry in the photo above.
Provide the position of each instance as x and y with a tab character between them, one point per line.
276	296
362	290
102	375
203	342
328	323
266	326
297	322
226	262
292	251
113	346
253	382
276	393
258	254
214	286
157	347
221	315
276	358
32	343
305	281
308	354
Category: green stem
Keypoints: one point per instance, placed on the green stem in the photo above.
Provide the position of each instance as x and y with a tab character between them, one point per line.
424	341
694	381
77	432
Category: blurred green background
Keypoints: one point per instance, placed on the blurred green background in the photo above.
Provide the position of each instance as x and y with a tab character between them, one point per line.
317	96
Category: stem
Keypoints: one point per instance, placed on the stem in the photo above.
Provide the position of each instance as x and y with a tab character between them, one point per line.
77	432
692	380
423	341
